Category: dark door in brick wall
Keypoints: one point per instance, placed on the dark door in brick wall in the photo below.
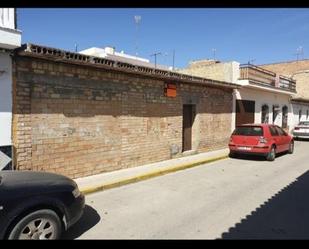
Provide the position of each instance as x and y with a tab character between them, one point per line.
187	123
245	110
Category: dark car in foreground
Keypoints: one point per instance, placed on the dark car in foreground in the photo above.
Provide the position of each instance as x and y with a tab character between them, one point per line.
37	205
260	139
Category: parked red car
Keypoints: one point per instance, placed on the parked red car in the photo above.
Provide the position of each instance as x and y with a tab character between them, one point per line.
260	139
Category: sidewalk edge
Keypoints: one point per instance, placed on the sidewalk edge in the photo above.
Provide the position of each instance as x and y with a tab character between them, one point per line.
147	175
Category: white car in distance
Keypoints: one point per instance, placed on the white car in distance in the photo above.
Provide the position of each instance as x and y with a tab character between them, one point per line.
301	130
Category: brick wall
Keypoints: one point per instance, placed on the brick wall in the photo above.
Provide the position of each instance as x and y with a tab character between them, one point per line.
79	120
299	70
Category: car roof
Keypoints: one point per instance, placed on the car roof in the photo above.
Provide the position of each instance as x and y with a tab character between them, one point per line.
263	125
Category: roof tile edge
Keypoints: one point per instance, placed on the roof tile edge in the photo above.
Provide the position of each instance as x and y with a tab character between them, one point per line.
30	49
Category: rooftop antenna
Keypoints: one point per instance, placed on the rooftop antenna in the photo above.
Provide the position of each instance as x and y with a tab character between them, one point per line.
299	51
155	56
137	20
214	50
173	59
250	61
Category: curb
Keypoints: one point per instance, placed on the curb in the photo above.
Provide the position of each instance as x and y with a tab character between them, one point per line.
147	175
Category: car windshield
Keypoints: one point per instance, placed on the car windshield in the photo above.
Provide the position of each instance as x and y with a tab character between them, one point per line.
248	131
304	123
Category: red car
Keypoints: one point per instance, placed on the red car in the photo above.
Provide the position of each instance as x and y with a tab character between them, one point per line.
260	139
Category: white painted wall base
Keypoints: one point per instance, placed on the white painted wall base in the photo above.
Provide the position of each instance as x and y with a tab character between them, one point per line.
5	99
262	97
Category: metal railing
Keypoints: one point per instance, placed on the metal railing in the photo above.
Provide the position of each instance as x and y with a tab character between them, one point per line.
265	77
287	83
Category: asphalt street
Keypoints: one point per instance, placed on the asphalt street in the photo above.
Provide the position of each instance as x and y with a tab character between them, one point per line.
241	198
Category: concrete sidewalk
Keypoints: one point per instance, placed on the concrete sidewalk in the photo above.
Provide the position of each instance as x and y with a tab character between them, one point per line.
118	178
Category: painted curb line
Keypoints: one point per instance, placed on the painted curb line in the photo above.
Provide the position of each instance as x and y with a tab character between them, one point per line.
147	175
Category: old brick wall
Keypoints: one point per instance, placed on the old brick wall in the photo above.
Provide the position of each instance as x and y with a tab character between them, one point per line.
299	70
79	120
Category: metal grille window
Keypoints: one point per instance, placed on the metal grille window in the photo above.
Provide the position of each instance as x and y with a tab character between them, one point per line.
275	112
265	114
284	117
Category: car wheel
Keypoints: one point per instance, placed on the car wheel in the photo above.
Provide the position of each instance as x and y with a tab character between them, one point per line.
39	225
291	147
271	154
232	154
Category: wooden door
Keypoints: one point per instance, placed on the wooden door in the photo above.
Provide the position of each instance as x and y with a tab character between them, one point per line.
188	117
245	110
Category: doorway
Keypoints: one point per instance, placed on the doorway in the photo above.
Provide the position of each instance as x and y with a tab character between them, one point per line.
245	110
187	123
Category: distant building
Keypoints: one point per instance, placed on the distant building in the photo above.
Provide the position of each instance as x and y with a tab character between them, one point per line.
10	38
110	53
299	71
264	96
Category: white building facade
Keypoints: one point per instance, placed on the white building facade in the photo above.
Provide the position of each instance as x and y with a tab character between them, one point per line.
10	38
111	53
264	96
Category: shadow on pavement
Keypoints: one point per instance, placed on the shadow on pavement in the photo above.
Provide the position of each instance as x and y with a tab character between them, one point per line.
255	157
89	219
283	216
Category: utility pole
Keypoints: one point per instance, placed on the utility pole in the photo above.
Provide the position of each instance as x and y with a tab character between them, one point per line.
155	56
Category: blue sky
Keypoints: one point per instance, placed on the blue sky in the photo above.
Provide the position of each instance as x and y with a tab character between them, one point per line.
263	35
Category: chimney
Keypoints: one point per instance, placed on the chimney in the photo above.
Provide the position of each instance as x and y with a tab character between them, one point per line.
110	50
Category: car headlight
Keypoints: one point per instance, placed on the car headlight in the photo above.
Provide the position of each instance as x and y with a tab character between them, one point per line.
76	192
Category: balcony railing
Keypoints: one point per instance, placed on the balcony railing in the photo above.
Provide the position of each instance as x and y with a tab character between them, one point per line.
261	76
287	83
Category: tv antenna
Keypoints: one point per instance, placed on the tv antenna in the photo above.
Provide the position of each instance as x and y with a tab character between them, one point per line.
299	51
137	20
155	56
250	61
173	59
214	50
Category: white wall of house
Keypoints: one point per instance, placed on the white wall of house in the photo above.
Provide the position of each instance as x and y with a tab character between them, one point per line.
5	98
7	18
10	38
262	97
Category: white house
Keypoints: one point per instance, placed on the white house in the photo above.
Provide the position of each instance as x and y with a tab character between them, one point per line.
265	97
10	38
298	70
111	53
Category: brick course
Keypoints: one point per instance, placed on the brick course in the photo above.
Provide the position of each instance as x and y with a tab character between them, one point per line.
79	121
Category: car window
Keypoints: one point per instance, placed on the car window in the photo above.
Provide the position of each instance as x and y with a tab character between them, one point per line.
280	131
304	123
273	131
248	131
